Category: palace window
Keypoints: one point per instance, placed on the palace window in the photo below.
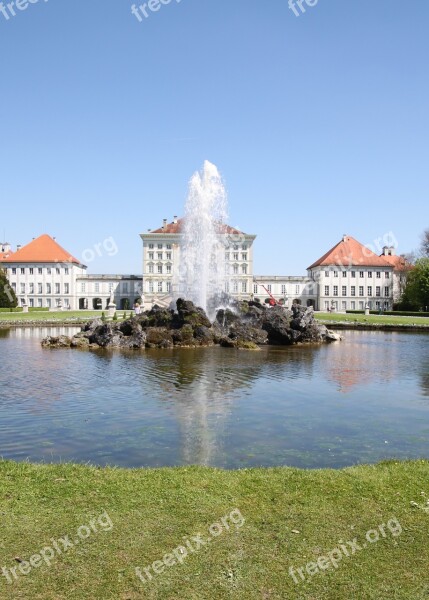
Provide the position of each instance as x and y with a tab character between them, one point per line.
22	288
159	246
387	274
244	287
283	289
335	273
39	288
370	274
168	255
159	269
353	290
335	290
169	269
235	256
378	274
255	288
151	246
22	271
235	269
361	290
31	271
159	255
235	287
244	269
326	273
361	274
168	286
244	256
344	290
159	286
344	273
326	290
31	291
151	255
378	291
150	268
244	247
353	274
168	246
57	288
370	290
269	287
40	270
66	288
387	292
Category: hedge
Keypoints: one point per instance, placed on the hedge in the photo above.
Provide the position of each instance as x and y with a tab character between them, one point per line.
18	309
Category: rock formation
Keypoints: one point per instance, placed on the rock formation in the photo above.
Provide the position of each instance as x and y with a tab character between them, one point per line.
246	325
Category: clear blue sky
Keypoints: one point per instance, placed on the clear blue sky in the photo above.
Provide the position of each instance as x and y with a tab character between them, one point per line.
318	123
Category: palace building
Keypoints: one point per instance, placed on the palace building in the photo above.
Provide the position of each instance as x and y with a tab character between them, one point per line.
44	275
347	277
350	277
162	255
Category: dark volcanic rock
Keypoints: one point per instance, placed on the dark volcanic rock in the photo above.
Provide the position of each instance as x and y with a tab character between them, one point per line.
158	337
276	322
246	325
61	341
189	314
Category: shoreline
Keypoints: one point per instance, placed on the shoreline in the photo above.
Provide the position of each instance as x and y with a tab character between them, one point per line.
343	325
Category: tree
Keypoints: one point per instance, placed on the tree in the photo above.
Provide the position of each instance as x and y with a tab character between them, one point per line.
424	246
8	297
416	293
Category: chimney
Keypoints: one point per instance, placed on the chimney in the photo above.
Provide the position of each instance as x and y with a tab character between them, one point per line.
175	219
54	238
18	247
345	237
164	223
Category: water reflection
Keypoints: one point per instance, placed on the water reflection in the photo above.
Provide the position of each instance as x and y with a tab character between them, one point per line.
304	406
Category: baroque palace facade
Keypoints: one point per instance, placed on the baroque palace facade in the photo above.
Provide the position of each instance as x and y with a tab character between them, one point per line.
348	277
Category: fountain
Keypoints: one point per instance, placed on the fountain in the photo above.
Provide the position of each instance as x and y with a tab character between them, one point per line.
201	276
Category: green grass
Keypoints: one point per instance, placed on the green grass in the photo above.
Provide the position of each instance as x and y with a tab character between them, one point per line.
65	315
292	518
371	319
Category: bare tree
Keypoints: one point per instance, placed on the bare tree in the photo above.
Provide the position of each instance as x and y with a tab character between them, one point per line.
424	246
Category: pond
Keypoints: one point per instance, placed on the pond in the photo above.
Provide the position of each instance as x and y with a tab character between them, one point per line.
359	401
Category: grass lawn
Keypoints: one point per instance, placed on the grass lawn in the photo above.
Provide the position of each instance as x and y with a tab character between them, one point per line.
65	315
268	520
371	319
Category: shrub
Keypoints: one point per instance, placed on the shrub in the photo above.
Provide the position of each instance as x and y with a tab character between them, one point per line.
103	317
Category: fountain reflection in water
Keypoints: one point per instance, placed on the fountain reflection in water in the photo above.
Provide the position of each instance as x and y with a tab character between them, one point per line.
201	275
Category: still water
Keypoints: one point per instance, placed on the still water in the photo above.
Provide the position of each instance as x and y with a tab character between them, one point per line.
362	400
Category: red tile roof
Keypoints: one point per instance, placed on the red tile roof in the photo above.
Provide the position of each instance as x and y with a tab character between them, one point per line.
179	228
399	263
351	253
43	249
